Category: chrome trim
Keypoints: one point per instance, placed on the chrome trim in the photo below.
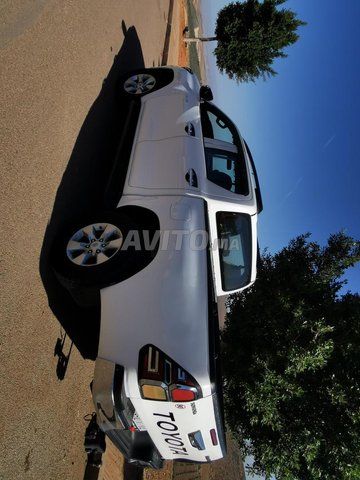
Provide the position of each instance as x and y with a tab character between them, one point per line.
153	360
167	371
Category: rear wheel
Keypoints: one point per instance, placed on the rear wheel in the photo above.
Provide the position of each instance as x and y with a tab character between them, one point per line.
94	244
97	252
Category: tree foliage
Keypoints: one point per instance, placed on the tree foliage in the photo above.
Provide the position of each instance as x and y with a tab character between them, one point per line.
251	35
291	363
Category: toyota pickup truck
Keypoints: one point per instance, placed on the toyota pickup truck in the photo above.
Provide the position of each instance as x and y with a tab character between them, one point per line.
177	229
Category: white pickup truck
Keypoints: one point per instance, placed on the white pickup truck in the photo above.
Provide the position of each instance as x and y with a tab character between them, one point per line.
178	229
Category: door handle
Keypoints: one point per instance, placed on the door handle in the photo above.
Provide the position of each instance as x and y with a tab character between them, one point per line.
191	178
190	129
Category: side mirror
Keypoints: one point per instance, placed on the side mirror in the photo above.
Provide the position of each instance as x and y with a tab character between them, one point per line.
206	93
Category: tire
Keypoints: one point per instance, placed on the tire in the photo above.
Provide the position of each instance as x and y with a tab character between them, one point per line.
91	253
141	82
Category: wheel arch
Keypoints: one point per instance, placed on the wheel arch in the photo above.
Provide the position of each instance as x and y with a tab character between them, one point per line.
145	218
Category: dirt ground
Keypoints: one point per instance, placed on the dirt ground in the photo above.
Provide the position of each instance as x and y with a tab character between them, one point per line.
54	57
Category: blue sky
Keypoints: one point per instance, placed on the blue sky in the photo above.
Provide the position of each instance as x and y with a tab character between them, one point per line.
303	126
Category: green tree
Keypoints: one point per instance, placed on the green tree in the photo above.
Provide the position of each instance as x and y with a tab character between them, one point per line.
251	35
291	358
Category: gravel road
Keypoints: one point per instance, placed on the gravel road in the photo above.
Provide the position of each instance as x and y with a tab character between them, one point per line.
54	57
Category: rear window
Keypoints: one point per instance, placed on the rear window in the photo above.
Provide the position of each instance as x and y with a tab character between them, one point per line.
235	249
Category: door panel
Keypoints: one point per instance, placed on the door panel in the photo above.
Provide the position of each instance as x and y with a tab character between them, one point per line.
173	163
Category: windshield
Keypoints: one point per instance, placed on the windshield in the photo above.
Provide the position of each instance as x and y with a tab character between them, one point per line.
235	249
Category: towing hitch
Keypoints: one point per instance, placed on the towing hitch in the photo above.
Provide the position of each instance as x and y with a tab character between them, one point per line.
94	442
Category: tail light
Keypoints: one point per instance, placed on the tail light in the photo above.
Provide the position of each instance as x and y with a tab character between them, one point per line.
213	436
153	392
160	378
183	394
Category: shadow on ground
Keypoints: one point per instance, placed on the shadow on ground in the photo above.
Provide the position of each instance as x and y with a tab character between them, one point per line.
80	194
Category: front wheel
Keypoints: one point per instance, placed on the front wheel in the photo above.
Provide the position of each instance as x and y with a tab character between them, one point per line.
141	82
96	253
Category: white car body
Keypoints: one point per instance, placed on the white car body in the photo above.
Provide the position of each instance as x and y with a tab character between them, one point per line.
159	327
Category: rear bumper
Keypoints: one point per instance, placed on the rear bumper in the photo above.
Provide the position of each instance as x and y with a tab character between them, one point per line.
114	413
107	380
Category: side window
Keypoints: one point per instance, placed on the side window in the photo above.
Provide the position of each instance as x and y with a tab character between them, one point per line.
225	161
227	170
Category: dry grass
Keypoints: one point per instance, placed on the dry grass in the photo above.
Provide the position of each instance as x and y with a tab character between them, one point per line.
230	467
113	463
165	474
183	59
